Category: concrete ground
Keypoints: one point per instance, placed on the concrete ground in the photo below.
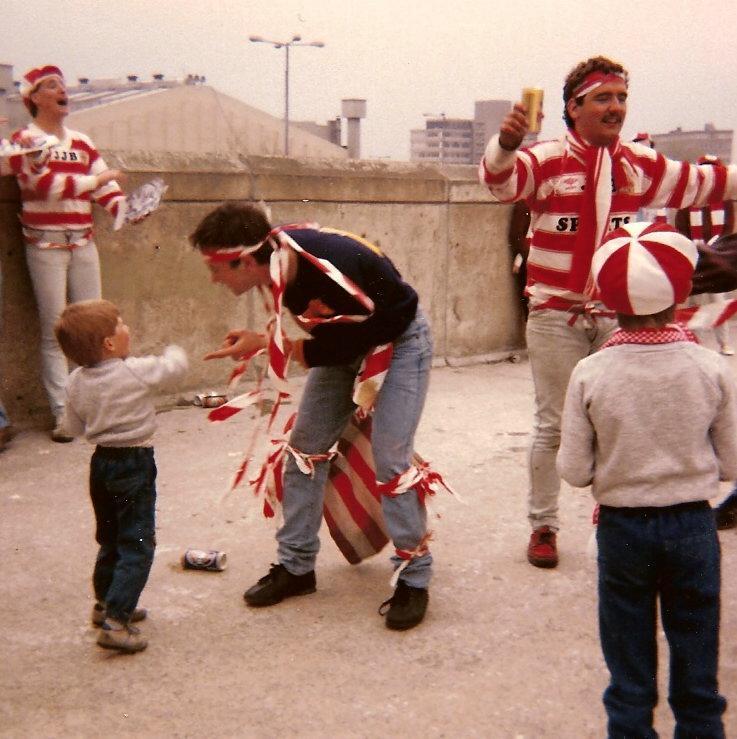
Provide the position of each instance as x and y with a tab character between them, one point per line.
506	650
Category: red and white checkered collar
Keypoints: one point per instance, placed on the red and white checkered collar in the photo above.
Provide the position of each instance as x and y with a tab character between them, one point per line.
667	335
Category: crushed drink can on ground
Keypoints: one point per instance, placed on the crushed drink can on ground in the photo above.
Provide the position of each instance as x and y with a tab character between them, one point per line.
202	559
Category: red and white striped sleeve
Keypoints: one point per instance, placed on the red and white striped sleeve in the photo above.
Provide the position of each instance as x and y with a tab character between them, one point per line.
683	185
509	175
109	195
51	187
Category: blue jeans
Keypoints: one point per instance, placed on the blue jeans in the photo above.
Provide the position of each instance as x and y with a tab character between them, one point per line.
671	553
554	347
60	276
123	492
324	411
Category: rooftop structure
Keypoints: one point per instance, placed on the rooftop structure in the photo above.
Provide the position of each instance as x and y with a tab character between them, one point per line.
690	145
160	114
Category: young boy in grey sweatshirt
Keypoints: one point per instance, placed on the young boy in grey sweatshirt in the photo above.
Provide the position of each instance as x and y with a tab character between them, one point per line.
650	422
110	401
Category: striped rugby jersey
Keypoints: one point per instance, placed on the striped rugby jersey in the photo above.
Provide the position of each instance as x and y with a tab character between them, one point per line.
551	178
57	192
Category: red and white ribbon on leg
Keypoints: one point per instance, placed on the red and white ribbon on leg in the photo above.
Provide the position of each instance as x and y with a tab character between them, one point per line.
268	484
420	477
424	480
407	555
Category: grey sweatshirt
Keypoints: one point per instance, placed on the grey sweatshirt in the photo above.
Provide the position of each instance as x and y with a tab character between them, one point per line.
650	425
112	402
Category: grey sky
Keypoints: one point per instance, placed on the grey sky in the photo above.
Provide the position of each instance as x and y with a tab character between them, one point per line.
406	57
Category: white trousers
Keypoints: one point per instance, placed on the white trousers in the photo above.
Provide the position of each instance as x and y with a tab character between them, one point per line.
554	347
60	276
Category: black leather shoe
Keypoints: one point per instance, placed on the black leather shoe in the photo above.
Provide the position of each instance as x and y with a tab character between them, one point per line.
277	585
406	607
726	513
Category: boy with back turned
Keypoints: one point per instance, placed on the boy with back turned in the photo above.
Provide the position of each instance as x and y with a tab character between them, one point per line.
650	421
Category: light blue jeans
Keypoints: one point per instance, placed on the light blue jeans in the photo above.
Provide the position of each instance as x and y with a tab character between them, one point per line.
554	348
60	276
324	410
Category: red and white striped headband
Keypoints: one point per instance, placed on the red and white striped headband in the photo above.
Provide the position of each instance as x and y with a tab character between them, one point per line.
231	253
594	80
34	77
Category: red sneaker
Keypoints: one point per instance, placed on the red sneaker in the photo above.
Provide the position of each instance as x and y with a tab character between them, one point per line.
542	550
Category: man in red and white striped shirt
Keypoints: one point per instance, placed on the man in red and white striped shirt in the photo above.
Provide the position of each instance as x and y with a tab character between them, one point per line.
57	189
578	188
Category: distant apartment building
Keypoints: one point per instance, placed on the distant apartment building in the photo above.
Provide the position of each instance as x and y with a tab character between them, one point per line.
447	140
460	140
688	146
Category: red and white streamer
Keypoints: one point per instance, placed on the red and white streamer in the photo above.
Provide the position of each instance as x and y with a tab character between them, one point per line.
407	555
711	315
419	477
371	376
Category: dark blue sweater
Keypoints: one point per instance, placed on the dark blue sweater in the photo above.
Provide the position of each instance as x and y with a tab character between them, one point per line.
395	302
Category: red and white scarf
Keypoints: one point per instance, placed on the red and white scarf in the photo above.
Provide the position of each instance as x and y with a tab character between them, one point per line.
605	166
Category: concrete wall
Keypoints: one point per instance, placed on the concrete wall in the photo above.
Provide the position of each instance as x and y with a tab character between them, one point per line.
439	227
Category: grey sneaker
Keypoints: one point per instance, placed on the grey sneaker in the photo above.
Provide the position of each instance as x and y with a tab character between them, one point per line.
98	614
123	637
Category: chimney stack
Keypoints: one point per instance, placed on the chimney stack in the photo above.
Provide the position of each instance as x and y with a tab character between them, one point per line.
354	109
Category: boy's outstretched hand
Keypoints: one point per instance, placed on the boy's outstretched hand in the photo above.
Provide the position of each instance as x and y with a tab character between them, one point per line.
238	343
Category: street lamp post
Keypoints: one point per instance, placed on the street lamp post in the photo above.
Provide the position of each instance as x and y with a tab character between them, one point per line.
286	45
